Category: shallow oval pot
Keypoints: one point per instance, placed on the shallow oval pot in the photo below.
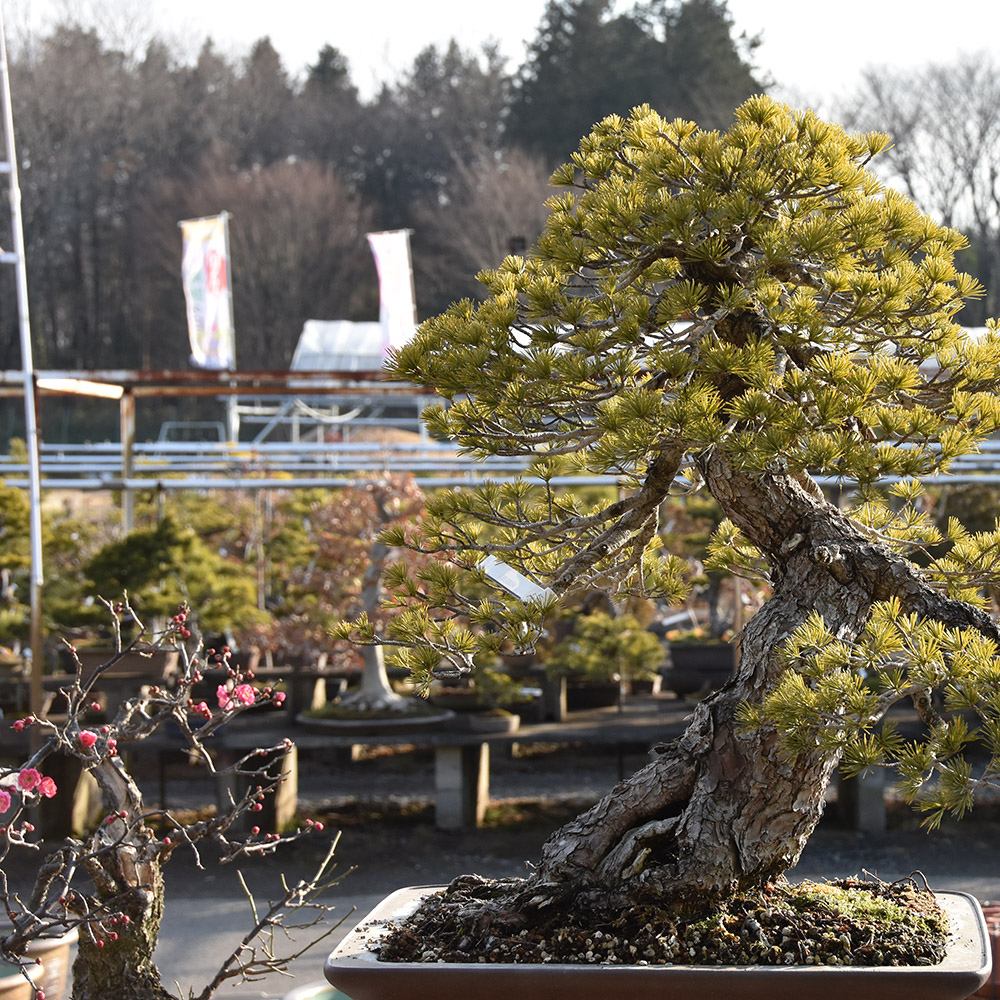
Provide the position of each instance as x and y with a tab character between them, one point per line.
353	968
374	727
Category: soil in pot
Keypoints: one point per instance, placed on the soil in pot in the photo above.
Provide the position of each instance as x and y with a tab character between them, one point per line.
768	924
849	922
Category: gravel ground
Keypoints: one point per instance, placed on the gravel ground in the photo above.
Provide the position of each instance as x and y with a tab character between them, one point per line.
383	804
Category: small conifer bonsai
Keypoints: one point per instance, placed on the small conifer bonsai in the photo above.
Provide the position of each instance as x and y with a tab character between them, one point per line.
749	312
605	648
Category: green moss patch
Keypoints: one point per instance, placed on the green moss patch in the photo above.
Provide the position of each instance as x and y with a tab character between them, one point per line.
414	710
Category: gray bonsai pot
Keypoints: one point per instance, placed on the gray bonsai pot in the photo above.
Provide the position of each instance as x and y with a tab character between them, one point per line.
354	968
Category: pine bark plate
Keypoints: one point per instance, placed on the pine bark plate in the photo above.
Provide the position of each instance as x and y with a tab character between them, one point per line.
354	968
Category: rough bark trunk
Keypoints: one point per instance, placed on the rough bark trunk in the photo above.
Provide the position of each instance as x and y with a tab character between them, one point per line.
115	953
118	961
723	808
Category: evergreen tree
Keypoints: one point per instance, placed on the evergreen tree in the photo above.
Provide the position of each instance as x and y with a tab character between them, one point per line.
415	138
585	64
262	98
327	113
168	565
712	70
751	310
447	106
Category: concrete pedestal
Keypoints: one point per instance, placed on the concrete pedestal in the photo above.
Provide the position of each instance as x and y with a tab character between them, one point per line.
462	783
861	801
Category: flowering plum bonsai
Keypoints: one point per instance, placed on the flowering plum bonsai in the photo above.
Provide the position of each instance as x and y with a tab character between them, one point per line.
750	313
109	884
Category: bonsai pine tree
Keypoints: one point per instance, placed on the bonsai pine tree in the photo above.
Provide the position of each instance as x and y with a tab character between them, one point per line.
749	312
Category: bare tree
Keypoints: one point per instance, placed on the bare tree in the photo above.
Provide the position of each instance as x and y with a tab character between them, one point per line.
497	207
297	237
945	122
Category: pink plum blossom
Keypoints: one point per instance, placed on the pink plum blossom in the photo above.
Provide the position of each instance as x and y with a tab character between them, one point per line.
4	800
245	694
28	779
242	694
47	787
87	738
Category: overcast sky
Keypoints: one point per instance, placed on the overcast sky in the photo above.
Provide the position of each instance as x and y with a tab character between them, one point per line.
815	49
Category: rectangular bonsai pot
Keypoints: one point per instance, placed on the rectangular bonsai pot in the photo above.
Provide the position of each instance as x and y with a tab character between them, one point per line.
354	968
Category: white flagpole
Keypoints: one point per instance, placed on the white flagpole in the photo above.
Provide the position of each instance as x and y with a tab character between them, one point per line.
232	402
16	257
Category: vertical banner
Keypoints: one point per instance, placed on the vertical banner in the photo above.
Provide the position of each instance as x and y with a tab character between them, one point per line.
205	274
397	309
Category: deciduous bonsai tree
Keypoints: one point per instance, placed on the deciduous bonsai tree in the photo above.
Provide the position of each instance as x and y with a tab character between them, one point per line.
332	561
750	313
109	883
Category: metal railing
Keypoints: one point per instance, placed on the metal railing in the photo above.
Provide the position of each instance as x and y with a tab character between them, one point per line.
174	465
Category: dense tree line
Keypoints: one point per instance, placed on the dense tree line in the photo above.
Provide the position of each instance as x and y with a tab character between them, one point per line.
114	149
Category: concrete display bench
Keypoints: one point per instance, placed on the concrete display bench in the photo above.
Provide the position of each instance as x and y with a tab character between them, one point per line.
462	759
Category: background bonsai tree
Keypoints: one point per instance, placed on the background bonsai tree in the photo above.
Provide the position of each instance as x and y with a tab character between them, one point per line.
14	562
168	564
747	311
602	647
332	562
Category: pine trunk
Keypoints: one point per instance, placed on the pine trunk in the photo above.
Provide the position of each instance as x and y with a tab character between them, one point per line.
723	808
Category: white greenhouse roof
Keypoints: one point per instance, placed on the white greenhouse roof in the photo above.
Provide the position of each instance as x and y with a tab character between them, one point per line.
338	345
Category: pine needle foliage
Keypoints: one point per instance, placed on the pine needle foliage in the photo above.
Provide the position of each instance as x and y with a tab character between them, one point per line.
836	695
755	293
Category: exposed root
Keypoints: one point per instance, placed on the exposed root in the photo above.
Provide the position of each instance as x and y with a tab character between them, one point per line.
629	857
377	701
